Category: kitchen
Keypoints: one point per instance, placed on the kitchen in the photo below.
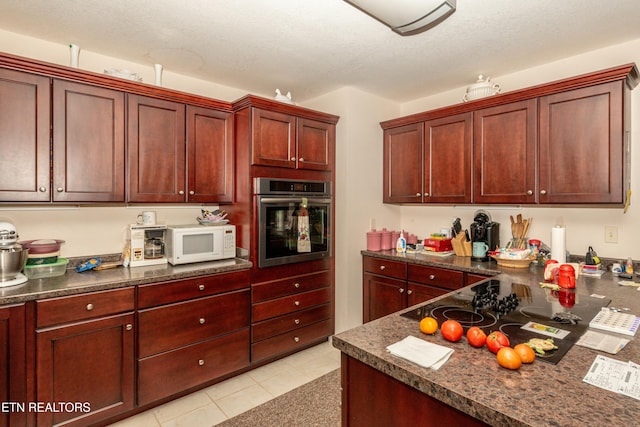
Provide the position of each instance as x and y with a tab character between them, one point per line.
359	167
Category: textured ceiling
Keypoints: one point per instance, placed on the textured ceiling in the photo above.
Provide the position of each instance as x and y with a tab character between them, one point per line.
311	47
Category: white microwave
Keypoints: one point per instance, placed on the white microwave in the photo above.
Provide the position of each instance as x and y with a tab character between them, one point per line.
196	243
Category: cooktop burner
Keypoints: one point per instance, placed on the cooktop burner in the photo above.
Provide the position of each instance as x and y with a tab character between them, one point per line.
499	305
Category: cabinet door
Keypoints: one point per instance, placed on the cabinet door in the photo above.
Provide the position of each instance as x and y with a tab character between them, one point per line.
88	362
447	160
274	139
504	143
88	143
403	164
24	137
382	296
316	144
13	374
209	155
582	145
156	147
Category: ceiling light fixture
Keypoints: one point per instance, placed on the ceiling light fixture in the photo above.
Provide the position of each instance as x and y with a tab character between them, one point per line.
407	17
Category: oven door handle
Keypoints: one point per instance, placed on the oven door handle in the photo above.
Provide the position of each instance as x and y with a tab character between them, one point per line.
276	200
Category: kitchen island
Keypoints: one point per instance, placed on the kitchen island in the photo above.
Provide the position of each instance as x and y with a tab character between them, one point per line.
471	387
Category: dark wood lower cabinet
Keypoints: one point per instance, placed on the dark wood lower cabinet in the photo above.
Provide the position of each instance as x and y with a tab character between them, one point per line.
85	371
372	398
13	373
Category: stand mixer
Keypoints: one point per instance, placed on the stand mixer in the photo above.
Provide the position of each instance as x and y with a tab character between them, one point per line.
13	256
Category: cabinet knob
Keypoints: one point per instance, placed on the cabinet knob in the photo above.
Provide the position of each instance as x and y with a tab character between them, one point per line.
201	320
200	362
529	192
409	292
59	189
296	339
382	267
296	321
296	303
418	194
293	159
426	194
128	327
89	307
181	192
432	276
296	285
42	189
301	159
192	192
543	192
201	287
401	290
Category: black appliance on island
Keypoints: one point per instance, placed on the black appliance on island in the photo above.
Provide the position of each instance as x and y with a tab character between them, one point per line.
486	231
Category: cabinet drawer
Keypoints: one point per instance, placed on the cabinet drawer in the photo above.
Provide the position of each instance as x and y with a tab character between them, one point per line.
85	306
176	325
290	340
169	373
289	322
385	267
180	290
440	277
289	286
285	305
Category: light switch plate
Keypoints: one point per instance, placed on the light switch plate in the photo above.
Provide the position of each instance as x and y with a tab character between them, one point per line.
610	234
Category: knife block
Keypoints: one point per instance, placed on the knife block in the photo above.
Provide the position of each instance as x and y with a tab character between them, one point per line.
460	245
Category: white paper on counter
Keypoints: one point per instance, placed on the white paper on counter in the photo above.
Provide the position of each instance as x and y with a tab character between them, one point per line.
602	342
421	352
615	375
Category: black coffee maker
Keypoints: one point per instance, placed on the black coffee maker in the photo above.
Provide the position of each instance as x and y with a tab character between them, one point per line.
486	231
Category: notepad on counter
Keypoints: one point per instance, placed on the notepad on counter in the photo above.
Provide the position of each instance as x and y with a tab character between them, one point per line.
421	352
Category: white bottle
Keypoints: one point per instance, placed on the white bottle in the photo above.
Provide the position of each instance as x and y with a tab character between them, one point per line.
401	244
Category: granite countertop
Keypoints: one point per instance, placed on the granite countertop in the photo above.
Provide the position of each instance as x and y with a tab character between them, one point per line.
454	262
539	394
73	282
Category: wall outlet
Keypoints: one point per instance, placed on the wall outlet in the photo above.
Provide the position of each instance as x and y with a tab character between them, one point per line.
610	234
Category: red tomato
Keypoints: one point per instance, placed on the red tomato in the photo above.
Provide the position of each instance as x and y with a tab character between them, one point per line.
496	340
451	330
476	337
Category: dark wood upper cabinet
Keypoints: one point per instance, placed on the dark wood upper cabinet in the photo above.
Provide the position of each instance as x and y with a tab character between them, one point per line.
156	139
24	137
505	160
402	169
315	144
583	134
274	139
209	155
88	143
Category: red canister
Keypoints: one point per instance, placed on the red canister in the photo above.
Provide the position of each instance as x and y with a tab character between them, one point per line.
374	240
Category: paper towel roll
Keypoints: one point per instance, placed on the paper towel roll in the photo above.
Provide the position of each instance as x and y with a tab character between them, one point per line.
558	244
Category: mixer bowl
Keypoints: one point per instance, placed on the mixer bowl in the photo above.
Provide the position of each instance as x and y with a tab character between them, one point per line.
12	261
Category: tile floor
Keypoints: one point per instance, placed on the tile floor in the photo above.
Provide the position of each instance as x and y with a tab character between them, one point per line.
229	398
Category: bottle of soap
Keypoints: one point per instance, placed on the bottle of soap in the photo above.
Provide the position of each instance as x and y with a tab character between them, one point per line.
628	268
401	244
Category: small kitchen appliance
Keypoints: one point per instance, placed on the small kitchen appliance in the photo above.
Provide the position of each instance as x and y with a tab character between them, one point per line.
147	245
197	243
566	276
486	231
13	256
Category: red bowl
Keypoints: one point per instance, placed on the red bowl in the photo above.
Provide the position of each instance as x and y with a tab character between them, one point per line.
42	246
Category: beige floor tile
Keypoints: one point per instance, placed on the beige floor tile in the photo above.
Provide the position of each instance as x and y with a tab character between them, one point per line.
229	386
243	400
281	384
181	406
205	416
144	419
279	367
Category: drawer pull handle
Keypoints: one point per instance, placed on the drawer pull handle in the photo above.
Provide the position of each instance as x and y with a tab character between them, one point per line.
382	267
200	362
432	276
409	292
201	287
296	339
401	290
297	321
296	303
202	320
129	327
296	285
89	307
42	189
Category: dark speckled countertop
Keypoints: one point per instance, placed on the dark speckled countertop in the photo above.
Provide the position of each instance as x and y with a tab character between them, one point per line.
540	394
73	282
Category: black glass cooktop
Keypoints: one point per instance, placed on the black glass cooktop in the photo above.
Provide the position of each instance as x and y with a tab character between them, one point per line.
496	305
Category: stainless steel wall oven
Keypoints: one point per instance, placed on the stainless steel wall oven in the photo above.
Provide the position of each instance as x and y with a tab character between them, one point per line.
294	220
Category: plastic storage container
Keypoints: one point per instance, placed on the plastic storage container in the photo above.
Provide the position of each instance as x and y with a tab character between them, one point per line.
46	270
